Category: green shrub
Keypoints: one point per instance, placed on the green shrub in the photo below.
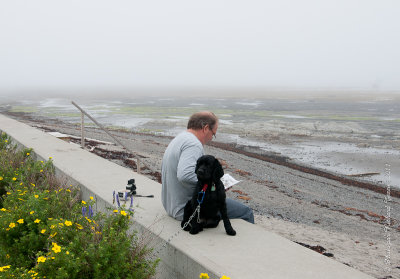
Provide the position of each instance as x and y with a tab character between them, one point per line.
47	231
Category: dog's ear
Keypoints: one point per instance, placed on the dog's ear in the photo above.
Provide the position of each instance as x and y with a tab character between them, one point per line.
218	171
198	164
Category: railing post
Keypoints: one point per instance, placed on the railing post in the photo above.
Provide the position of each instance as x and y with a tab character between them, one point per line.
82	130
108	133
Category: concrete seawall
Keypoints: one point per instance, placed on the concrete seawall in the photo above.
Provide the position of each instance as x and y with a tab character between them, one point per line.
252	253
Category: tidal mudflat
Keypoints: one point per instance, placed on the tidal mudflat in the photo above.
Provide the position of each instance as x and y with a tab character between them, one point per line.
357	137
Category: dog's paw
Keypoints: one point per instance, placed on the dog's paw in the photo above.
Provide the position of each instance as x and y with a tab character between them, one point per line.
187	228
195	230
231	231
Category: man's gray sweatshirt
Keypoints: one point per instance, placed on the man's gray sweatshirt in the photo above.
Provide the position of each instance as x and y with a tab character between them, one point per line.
177	172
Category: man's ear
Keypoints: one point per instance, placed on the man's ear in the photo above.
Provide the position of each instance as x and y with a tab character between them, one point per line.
218	171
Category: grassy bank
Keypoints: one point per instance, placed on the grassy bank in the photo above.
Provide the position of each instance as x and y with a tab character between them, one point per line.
47	231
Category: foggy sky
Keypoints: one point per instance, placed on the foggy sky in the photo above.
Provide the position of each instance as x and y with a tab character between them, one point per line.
199	44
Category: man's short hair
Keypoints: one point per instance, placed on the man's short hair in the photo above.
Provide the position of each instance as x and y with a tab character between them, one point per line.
200	119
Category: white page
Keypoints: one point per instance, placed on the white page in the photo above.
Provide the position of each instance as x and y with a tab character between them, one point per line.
228	181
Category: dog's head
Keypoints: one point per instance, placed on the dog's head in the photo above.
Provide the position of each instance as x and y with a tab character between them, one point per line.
208	169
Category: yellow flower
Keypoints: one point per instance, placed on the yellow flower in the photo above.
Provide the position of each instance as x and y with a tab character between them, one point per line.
27	154
31	212
41	259
3	268
21	221
14	178
225	277
1	178
37	221
115	211
90	221
68	190
91	197
43	231
79	226
34	274
67	253
123	213
68	223
33	184
204	276
41	170
36	196
50	158
53	235
56	248
3	209
83	202
8	193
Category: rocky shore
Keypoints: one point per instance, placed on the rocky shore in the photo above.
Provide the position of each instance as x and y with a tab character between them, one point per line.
340	217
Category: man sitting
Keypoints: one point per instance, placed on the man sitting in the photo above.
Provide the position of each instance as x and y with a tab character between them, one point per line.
178	168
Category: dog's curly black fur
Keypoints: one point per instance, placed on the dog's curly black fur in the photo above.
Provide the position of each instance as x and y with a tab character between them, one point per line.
209	171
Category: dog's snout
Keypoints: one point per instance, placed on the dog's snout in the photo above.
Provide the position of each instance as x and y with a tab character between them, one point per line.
200	171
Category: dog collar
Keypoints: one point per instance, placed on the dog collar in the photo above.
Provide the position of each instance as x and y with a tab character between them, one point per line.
202	193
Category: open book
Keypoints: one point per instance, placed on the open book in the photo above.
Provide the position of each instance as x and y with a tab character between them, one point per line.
228	181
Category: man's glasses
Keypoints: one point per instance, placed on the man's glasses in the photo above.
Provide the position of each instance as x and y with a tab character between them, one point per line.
213	134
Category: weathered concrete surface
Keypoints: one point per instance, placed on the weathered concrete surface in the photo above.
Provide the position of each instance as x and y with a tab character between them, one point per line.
252	253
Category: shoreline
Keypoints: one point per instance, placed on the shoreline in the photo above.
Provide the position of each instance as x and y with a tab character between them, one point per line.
281	160
355	140
355	180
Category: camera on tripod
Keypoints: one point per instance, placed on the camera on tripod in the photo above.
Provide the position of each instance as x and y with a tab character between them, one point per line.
130	190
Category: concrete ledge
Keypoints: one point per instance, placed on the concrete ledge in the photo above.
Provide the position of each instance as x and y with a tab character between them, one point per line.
252	253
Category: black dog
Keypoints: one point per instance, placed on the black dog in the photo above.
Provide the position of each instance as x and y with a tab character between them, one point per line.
211	198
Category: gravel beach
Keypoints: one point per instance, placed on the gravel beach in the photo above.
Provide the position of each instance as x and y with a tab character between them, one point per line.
341	219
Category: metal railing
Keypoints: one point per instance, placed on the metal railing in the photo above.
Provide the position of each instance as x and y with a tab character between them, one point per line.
83	113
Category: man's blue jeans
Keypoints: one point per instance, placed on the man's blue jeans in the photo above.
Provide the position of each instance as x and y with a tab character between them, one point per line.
237	210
